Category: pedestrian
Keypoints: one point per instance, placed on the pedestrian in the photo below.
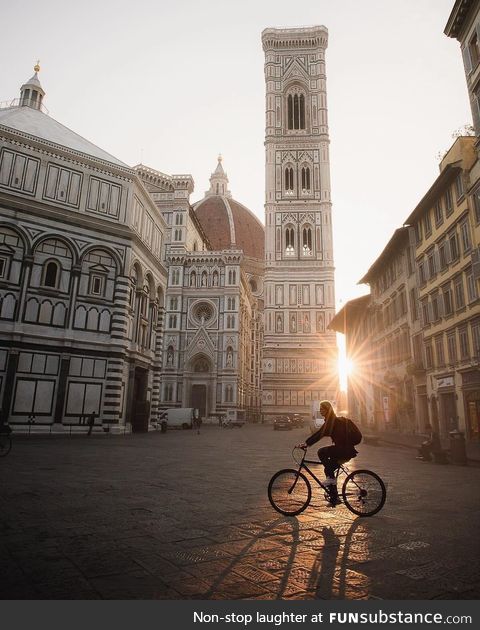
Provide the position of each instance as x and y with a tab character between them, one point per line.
429	446
91	422
344	434
197	421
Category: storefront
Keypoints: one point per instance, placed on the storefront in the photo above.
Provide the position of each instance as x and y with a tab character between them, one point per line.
471	398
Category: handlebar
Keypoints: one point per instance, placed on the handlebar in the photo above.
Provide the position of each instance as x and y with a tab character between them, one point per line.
299	448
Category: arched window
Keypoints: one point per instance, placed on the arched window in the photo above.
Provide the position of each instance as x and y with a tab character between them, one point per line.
195	246
51	274
307	241
179	219
289	179
289	241
296	110
168	392
305	179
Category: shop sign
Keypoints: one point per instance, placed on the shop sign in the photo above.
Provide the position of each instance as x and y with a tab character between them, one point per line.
446	381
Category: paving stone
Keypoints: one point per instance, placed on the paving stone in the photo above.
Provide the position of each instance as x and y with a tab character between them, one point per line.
135	585
253	573
100	525
93	564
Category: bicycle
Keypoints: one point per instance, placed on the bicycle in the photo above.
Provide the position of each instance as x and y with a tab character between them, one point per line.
290	491
5	444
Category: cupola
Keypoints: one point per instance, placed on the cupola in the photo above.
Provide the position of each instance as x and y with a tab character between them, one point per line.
219	182
31	92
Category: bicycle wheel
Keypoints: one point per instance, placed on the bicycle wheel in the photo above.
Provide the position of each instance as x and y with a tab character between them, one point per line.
289	492
364	493
5	445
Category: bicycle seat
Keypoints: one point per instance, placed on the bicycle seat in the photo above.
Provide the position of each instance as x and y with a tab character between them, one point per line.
343	460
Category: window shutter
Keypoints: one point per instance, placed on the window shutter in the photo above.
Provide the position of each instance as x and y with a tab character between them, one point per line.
448	255
467	62
476	263
440	306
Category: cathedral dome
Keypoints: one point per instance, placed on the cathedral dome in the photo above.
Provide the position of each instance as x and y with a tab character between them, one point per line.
227	223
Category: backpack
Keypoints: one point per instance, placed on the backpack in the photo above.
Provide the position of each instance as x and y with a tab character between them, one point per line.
354	435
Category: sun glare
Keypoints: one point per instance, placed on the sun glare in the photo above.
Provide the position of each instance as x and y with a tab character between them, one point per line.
345	369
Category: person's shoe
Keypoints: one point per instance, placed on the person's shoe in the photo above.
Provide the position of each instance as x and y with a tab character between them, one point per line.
333	497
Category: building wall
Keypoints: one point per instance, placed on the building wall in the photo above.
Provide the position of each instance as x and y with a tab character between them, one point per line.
299	357
447	235
70	227
213	325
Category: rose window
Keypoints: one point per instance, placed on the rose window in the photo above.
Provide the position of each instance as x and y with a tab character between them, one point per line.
203	313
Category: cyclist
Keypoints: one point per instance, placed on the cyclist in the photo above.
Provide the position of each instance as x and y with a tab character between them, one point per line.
344	434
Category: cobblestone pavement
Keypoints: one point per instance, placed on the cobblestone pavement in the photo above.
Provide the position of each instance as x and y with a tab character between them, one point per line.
181	515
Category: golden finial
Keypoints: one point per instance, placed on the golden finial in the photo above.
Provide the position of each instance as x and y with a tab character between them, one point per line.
36	67
219	157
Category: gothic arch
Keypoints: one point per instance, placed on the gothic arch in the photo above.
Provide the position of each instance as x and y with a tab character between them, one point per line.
296	106
201	364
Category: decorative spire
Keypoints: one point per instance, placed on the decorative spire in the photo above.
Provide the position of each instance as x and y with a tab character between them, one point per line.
31	92
219	181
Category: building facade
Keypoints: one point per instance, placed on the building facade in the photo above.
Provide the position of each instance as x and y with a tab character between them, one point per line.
420	329
393	317
214	301
299	356
82	281
356	321
449	308
115	299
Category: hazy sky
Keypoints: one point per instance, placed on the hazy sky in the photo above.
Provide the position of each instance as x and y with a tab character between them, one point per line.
174	83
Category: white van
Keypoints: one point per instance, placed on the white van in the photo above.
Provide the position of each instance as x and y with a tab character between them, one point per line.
178	418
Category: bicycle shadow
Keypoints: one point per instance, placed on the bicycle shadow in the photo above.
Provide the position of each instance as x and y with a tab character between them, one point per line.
326	579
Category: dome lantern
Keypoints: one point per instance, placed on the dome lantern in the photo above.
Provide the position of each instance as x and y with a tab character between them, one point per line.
31	92
219	182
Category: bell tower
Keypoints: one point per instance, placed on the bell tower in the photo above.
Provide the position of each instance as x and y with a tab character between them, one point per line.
299	356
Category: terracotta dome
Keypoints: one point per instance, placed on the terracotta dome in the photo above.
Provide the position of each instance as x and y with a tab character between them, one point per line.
228	223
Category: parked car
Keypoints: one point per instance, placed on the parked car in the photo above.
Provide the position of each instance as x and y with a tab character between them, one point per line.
282	422
297	419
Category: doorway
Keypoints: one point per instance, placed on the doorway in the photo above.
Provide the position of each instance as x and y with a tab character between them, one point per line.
140	412
448	409
199	399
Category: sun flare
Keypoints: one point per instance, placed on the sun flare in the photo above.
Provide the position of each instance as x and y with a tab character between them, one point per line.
345	369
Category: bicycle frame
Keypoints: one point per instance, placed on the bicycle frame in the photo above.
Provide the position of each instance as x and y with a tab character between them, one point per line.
342	469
